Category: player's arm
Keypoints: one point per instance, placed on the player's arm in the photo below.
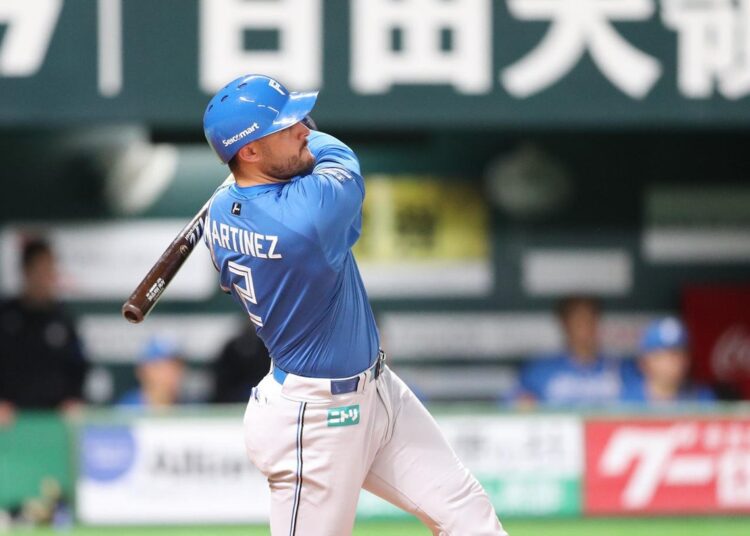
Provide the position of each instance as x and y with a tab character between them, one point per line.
209	226
531	379
76	365
333	195
330	153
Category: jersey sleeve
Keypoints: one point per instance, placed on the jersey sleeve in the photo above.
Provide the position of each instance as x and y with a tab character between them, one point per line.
333	193
208	227
531	380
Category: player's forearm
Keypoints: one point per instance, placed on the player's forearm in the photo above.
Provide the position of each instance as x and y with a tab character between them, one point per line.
329	151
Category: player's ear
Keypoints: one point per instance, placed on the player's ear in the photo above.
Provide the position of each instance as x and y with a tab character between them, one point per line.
250	152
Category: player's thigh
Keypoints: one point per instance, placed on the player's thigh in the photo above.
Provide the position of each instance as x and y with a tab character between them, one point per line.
315	460
418	471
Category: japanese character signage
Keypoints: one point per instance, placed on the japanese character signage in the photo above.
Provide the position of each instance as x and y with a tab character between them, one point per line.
667	466
411	62
578	26
378	63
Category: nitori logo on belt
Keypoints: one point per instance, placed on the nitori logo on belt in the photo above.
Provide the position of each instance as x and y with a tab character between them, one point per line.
343	416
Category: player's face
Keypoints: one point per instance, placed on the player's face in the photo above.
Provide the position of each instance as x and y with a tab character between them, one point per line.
666	367
162	378
581	327
284	154
41	278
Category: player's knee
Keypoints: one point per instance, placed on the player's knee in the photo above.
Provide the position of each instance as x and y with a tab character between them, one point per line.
468	511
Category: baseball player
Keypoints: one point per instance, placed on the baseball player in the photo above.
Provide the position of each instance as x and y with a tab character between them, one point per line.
330	418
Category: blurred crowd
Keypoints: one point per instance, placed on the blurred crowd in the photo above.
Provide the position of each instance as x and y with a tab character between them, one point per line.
585	374
43	366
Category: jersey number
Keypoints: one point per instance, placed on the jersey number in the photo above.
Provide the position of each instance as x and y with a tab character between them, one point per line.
247	293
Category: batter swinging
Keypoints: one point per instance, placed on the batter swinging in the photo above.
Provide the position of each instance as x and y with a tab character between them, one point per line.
330	418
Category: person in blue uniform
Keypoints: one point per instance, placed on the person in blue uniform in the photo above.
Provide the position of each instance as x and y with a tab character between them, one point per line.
160	373
582	373
331	418
664	361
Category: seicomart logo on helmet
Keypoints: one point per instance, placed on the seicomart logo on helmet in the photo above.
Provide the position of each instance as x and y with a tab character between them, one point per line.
234	139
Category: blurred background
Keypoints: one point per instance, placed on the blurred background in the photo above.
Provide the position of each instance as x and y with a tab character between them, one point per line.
556	245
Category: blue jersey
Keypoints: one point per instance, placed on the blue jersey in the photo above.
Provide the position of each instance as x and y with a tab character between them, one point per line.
635	392
284	253
133	398
559	380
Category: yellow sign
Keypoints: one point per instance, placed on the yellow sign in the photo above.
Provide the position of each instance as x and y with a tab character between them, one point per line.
422	218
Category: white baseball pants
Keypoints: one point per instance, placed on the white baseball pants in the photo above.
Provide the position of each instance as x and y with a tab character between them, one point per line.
318	450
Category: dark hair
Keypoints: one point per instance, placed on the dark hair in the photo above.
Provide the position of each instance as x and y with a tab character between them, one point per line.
565	305
234	165
33	248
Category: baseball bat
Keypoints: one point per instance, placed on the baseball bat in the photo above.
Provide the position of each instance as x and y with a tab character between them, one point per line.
148	291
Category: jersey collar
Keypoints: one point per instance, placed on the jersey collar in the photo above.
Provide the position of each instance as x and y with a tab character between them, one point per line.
249	192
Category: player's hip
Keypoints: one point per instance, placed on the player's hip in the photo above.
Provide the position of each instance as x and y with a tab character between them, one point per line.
281	419
321	390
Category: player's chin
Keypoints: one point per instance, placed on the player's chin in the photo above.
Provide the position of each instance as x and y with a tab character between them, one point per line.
307	161
294	168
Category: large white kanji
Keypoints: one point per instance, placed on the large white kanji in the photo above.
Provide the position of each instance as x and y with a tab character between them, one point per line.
298	60
422	59
579	26
30	25
713	46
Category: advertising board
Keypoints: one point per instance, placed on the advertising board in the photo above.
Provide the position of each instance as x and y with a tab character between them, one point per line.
688	466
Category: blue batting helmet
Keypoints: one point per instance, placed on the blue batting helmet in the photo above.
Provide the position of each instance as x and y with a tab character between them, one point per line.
248	108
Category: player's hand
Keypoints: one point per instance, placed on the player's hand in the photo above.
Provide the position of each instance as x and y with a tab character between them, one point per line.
72	408
7	413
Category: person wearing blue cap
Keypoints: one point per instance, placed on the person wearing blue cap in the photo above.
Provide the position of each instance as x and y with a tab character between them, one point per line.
160	373
664	361
330	418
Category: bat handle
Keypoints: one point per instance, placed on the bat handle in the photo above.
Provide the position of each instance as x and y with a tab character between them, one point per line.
148	291
132	313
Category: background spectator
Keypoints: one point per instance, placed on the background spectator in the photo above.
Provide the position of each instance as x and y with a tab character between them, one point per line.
664	361
160	373
41	361
581	373
241	365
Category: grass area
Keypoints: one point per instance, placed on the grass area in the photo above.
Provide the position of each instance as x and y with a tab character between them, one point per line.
701	526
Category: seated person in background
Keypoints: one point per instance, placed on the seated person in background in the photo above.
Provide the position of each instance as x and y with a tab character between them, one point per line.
41	362
241	365
160	373
581	374
664	361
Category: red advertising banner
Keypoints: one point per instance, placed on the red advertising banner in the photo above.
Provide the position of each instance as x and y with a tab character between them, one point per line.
718	320
695	466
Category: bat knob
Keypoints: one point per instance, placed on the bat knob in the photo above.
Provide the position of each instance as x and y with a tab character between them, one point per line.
132	313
